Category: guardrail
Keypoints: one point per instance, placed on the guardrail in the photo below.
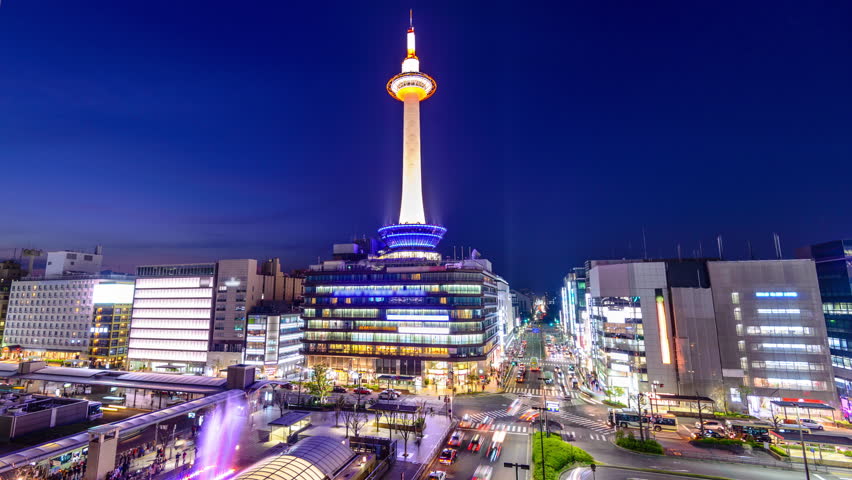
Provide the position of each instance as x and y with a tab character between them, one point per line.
786	465
438	446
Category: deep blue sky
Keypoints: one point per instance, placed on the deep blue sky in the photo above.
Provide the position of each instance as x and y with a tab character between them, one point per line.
193	130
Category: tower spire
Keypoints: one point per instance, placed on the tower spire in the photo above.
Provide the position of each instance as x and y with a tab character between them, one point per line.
411	19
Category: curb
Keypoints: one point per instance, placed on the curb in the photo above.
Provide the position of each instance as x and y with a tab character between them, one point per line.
666	472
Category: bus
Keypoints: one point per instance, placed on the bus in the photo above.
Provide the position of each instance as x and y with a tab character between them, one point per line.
624	418
664	422
95	411
743	428
534	366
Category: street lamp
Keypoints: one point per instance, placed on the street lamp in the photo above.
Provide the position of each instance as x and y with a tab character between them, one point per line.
516	466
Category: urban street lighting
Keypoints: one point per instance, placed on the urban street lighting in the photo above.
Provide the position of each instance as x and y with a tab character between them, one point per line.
516	466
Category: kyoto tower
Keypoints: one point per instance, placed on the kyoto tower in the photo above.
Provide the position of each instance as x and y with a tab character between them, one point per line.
412	234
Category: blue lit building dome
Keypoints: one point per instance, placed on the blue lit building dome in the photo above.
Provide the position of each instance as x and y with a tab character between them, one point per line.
412	236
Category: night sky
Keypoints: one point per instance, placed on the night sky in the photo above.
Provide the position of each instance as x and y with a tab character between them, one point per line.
183	131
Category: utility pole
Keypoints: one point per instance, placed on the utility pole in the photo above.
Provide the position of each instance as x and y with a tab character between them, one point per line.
802	439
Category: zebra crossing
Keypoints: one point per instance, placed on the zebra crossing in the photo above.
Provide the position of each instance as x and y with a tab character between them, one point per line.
551	391
600	437
495	414
512	428
594	425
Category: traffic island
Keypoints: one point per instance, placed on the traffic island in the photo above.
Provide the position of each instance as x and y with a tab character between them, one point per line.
559	456
630	442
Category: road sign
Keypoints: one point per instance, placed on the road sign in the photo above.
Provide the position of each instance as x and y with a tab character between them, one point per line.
552	406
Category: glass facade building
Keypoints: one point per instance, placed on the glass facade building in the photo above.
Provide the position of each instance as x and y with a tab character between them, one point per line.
274	342
429	322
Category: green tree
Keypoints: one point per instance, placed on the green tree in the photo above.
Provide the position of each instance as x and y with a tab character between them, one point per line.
319	384
472	378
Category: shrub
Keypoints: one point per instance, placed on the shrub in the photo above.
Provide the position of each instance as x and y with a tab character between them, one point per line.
558	456
614	404
723	443
630	442
848	453
779	450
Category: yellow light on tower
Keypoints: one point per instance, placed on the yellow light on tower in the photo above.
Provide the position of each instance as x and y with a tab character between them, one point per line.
664	330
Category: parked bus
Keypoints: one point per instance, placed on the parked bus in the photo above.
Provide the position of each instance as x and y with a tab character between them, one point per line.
665	422
95	411
534	366
742	428
624	418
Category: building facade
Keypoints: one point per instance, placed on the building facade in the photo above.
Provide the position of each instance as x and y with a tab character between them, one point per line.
431	322
274	339
192	318
68	262
742	333
54	318
10	271
172	318
834	271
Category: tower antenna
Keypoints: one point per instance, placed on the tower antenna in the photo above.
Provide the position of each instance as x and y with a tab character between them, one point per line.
411	18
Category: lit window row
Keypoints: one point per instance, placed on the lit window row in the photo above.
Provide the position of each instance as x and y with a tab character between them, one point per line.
173	282
779	311
776	294
786	347
791	384
375	337
174	293
167	355
784	365
169	334
779	330
173	303
171	313
174	345
187	324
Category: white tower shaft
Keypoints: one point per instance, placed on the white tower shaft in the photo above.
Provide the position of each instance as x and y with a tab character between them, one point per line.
411	210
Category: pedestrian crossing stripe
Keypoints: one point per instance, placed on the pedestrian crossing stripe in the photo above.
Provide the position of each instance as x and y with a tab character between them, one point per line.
535	391
594	425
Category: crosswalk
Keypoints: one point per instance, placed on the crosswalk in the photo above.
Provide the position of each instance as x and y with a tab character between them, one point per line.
495	414
550	391
599	437
594	425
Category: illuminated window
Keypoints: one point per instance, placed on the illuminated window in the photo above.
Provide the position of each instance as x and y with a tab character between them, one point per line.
735	298
776	294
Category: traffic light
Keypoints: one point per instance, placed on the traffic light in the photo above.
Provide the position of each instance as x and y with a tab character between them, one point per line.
514	363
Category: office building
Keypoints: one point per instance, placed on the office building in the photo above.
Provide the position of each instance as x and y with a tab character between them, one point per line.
740	332
192	318
67	262
55	319
521	307
575	320
274	339
112	305
834	271
394	309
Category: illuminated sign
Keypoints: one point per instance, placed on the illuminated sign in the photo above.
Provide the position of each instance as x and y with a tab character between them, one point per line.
425	330
113	293
664	330
776	294
414	318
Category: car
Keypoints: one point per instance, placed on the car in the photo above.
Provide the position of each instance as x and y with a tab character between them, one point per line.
437	475
456	439
485	424
338	389
475	443
711	425
483	472
448	456
465	422
812	424
496	446
709	434
362	391
386	395
530	415
287	386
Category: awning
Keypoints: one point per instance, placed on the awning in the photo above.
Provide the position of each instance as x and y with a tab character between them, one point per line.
804	405
837	440
290	418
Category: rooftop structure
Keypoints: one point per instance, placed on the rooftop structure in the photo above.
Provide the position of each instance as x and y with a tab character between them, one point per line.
314	458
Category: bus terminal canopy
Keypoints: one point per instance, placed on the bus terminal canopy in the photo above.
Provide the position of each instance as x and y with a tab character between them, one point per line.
803	405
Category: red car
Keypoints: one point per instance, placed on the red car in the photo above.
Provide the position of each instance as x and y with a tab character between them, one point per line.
448	456
362	391
475	443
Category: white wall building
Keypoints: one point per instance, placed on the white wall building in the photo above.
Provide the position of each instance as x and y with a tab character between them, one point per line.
69	262
172	318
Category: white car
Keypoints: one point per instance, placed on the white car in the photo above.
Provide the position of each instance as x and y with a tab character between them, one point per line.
388	395
437	475
812	424
711	425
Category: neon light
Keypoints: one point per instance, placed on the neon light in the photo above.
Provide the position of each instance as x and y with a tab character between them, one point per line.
415	318
413	235
664	330
770	311
776	294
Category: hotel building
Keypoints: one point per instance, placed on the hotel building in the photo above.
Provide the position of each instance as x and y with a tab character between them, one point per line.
713	328
274	339
56	319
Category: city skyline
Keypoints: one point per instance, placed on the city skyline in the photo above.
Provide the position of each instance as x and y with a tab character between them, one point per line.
191	134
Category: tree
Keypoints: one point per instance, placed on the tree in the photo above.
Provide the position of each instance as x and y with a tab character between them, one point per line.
420	423
405	431
339	405
355	420
390	415
319	384
279	396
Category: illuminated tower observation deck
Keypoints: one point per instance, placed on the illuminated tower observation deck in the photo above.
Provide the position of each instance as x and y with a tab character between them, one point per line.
411	87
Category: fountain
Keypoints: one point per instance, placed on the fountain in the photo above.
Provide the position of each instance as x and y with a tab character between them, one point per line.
218	441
